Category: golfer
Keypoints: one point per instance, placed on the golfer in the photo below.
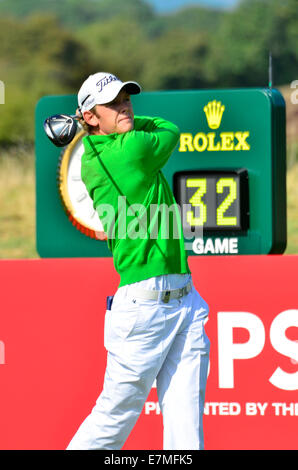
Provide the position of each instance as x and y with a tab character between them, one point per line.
154	328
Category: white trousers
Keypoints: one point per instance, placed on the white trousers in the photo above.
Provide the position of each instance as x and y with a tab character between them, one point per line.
148	340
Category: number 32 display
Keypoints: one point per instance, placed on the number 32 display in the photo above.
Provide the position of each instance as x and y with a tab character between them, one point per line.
213	200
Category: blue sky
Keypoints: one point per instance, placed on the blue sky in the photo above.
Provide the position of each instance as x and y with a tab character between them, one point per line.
163	6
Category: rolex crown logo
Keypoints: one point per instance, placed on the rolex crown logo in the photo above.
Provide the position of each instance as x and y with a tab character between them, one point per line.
214	111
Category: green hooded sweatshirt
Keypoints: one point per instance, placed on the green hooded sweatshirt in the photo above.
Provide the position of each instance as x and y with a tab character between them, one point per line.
122	174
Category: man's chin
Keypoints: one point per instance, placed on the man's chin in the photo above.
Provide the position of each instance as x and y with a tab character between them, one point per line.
125	126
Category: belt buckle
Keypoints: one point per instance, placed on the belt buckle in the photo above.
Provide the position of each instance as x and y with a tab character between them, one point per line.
166	296
181	292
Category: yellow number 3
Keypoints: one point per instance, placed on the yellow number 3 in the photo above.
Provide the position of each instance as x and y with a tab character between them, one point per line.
196	201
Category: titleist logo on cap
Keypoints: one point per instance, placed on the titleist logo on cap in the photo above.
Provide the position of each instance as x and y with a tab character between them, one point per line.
105	81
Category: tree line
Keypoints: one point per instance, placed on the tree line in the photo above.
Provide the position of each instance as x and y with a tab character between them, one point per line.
50	46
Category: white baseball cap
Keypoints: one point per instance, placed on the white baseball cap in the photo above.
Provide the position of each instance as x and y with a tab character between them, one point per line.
102	88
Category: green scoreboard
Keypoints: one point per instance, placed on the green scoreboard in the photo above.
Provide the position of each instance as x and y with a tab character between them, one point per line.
228	174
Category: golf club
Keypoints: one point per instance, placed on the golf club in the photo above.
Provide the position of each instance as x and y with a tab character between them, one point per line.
61	128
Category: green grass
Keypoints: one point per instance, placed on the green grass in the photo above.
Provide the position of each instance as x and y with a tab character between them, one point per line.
17	205
292	210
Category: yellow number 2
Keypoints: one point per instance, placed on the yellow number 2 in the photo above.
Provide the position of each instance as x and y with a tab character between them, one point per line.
232	185
196	201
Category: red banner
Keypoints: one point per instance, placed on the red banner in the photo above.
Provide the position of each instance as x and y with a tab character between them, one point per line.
52	358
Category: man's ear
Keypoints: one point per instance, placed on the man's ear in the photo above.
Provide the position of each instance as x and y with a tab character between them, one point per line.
91	118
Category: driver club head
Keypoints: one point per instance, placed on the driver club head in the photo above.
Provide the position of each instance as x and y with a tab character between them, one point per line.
61	128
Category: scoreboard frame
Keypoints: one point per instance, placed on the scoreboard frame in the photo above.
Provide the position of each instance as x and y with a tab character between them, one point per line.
228	130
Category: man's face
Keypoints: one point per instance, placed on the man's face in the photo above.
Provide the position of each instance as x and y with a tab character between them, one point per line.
116	116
